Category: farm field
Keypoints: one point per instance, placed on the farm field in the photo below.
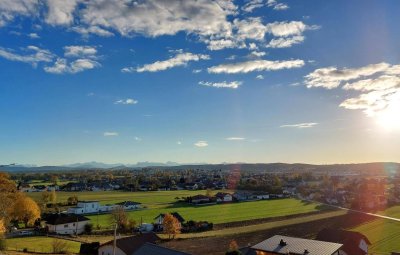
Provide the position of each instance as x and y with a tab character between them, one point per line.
220	213
384	234
157	202
40	244
109	197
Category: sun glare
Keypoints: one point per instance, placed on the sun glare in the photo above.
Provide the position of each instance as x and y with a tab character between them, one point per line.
390	117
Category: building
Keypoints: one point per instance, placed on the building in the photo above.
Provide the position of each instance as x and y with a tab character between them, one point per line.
128	245
354	243
223	197
66	224
153	249
159	220
85	207
129	205
296	246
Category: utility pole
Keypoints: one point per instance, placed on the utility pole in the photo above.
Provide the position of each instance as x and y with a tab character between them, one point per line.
115	238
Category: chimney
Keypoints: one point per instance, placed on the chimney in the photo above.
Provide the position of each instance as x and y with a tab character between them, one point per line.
306	252
282	243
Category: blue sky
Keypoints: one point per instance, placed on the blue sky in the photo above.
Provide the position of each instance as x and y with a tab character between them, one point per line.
199	81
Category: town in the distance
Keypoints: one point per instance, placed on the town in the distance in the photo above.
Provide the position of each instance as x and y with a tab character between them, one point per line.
201	209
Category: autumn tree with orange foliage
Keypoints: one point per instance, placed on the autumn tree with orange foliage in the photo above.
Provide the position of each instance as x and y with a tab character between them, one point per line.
26	210
171	225
15	205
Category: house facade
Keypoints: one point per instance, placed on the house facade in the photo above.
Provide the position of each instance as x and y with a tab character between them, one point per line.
66	224
223	197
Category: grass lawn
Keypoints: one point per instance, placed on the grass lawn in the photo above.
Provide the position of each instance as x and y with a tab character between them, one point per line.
220	213
384	234
109	197
39	244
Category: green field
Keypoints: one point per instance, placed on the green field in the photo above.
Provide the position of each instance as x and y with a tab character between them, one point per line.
384	234
39	244
157	202
220	213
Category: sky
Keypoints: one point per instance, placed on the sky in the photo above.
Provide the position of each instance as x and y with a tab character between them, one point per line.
258	81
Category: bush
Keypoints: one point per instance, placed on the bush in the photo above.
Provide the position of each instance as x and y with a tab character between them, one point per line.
88	228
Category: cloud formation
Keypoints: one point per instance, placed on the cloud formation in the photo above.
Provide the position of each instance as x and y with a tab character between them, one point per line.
256	65
62	66
201	144
300	125
224	84
108	133
235	138
126	101
31	55
180	59
378	85
79	51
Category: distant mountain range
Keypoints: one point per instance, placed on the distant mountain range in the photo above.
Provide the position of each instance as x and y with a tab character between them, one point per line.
372	168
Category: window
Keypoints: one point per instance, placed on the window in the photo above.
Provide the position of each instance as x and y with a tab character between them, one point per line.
73	224
66	226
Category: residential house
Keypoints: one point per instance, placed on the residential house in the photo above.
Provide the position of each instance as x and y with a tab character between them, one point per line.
243	196
159	220
191	186
85	207
66	224
261	195
25	187
154	249
38	188
354	243
279	244
223	197
129	205
128	245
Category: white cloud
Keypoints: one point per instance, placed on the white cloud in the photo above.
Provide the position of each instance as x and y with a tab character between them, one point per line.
197	71
9	9
331	77
250	28
79	51
281	7
62	66
258	53
256	65
300	125
33	36
60	12
96	30
235	138
378	86
180	59
126	101
201	144
108	133
31	55
285	42
224	84
252	5
260	77
286	28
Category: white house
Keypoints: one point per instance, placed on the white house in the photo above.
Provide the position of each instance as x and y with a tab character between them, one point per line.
85	207
223	197
262	196
66	224
129	205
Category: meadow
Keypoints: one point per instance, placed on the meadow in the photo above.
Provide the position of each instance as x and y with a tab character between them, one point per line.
157	202
384	234
40	244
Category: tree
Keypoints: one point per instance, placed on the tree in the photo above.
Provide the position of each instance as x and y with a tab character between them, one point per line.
171	225
119	217
2	227
53	197
233	249
26	210
45	197
72	200
8	193
59	246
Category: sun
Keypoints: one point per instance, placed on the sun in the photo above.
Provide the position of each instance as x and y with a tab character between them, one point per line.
389	118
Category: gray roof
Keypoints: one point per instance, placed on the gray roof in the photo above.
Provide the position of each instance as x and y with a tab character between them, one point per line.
153	249
296	246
